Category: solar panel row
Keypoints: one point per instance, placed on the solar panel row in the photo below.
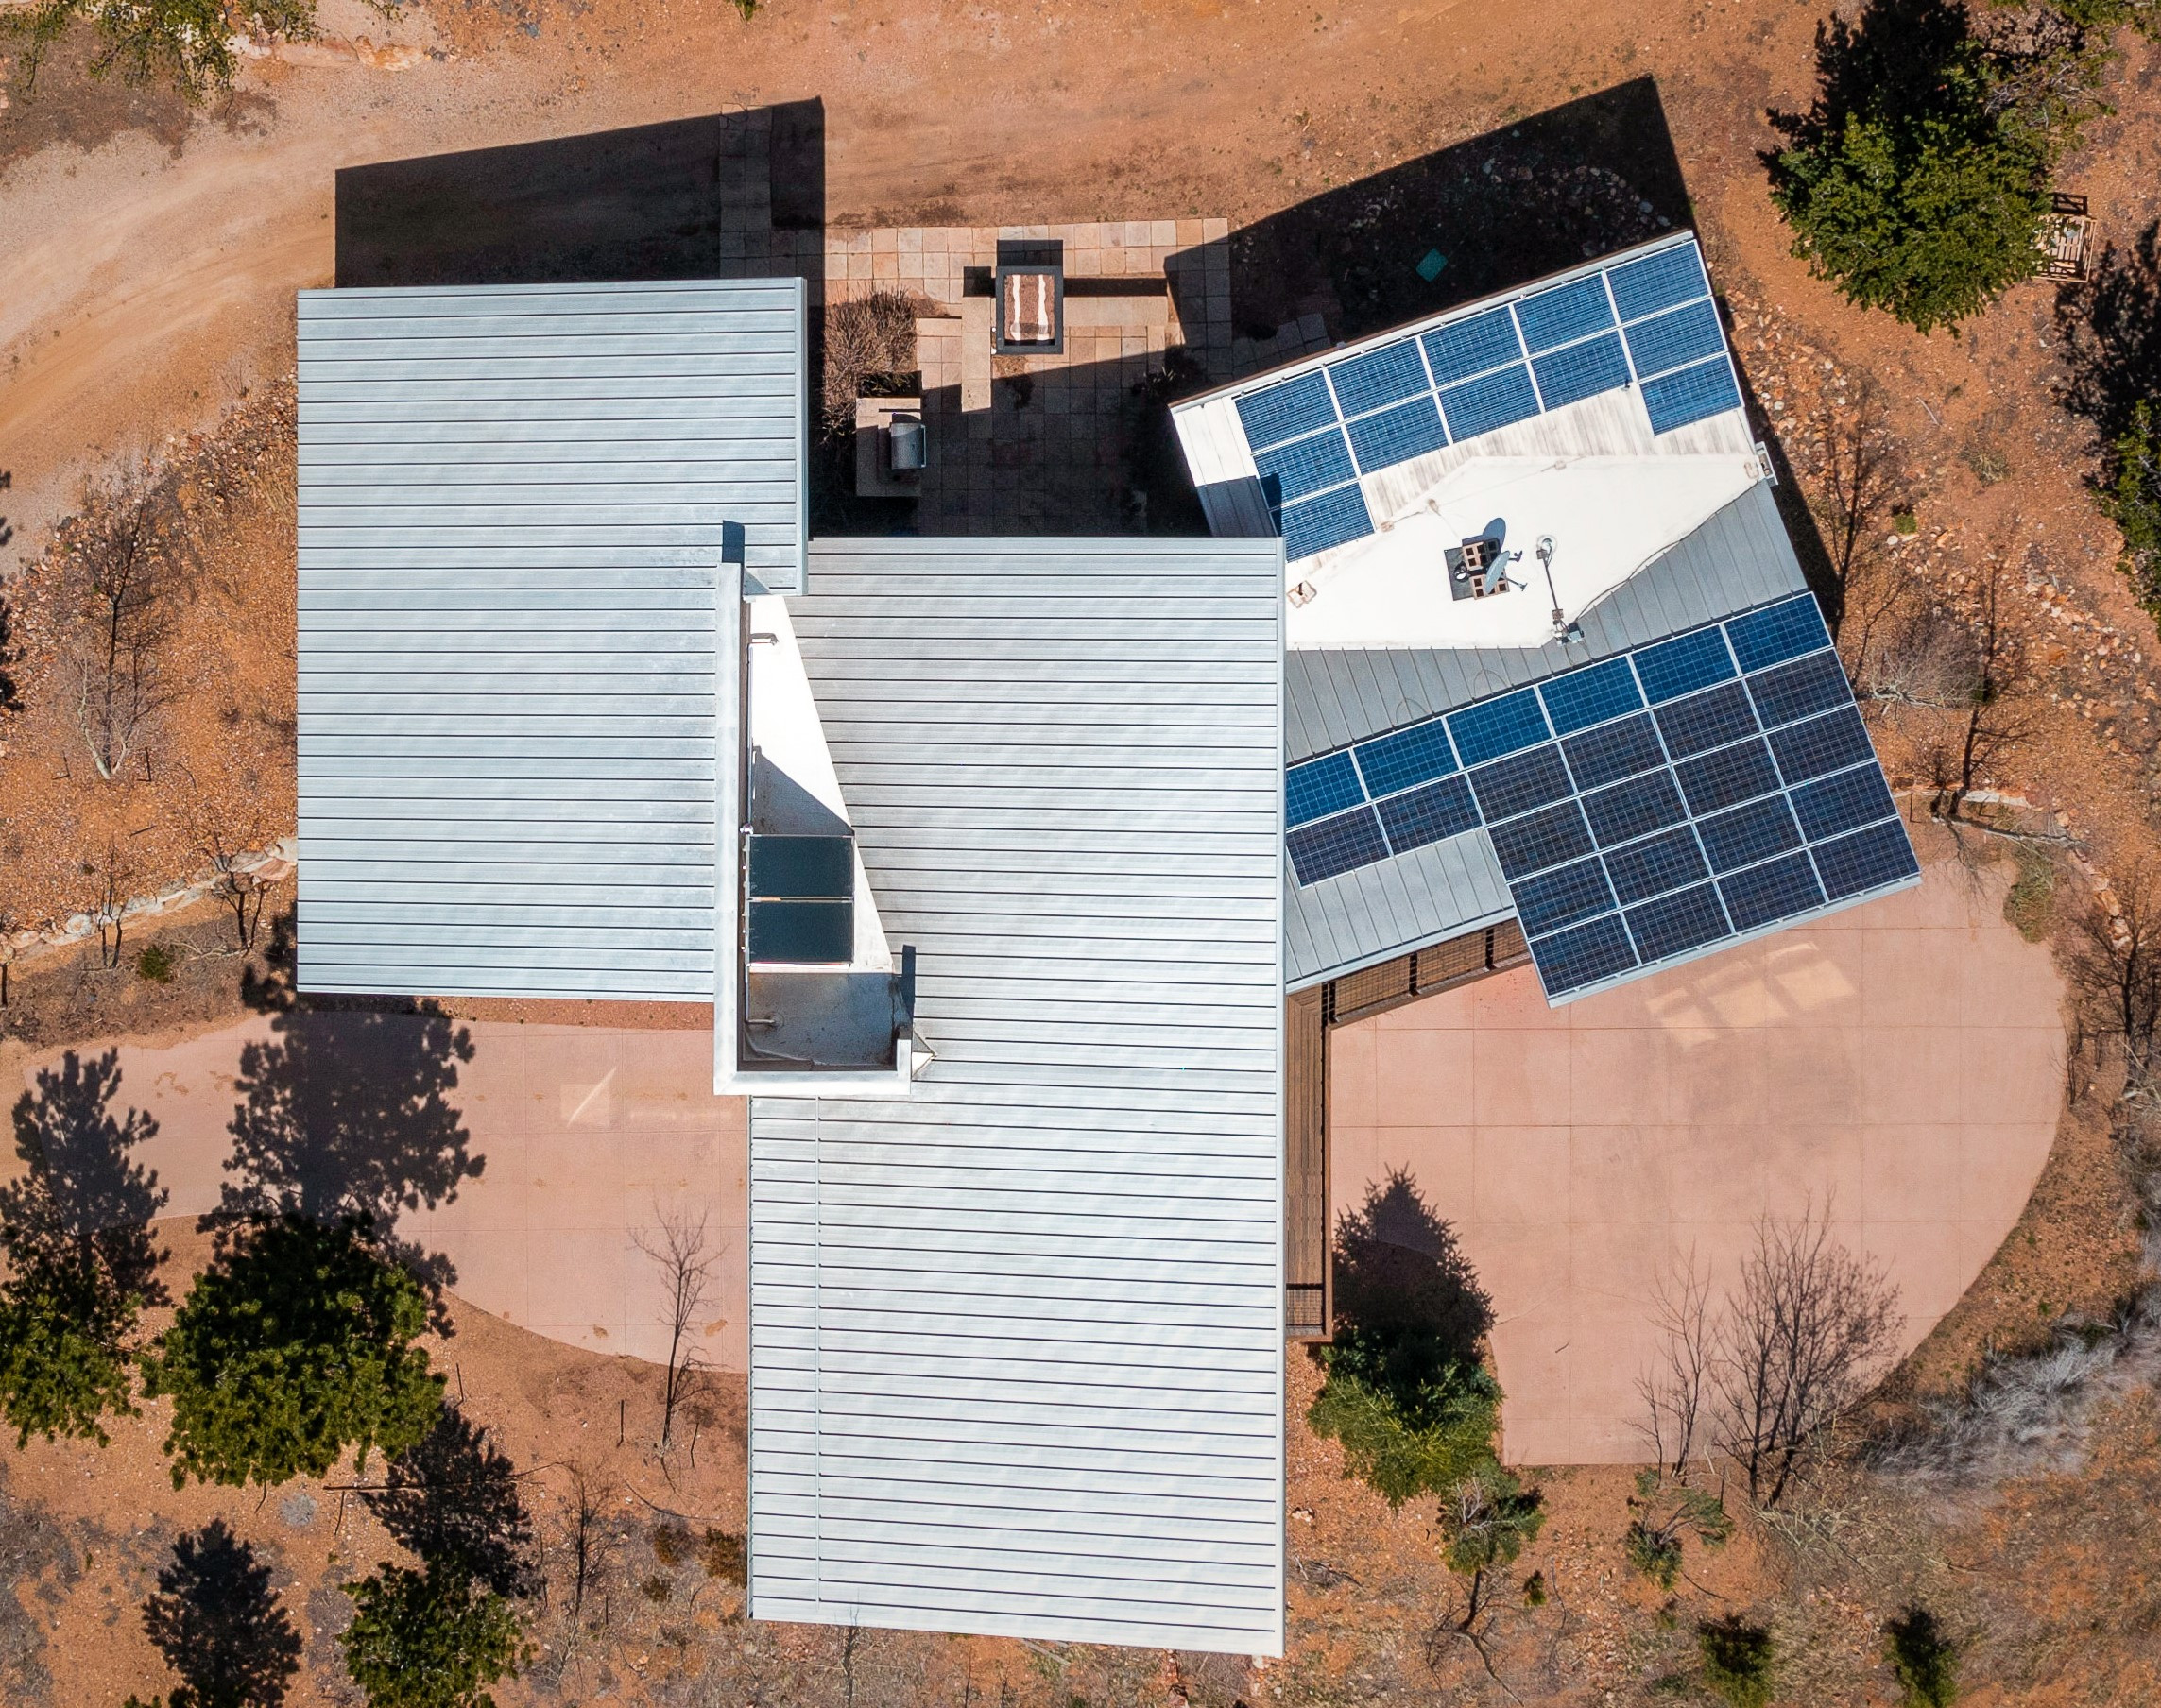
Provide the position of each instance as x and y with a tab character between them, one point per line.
1641	808
1648	323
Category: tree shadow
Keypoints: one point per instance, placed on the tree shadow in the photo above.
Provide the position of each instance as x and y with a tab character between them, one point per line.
2111	331
219	1625
1890	58
1407	1303
82	1190
453	1500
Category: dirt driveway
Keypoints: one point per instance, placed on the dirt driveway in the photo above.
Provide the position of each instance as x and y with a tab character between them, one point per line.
1903	1062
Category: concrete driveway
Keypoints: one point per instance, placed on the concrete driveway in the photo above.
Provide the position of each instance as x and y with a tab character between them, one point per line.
1902	1062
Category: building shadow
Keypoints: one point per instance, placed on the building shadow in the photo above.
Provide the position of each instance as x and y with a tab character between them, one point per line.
80	1187
728	195
218	1623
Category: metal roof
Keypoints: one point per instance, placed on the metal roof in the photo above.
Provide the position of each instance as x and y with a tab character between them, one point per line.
512	503
1741	556
1016	1341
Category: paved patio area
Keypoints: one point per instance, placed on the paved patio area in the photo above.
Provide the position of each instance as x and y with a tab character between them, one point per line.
1902	1061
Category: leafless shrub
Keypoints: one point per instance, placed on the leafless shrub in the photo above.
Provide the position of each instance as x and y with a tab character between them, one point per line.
222	834
677	1247
588	1541
115	878
865	337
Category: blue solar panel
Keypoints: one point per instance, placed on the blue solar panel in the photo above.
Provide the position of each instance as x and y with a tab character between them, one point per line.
1867	860
1307	465
1590	695
1430	814
1570	959
1581	371
1690	394
1676	924
1675	338
1636	808
1727	776
1659	864
1781	632
1822	745
1799	689
1497	401
1564	314
1521	782
1286	411
1396	436
1619	750
1387	375
1704	721
1471	347
1342	844
1333	518
1318	788
1748	834
1672	276
1416	755
1837	804
1561	897
1774	890
1682	665
1504	725
1550	837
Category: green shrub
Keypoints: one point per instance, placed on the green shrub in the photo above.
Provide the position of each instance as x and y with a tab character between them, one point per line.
2133	501
428	1640
1923	1657
1737	1660
294	1345
185	43
157	965
1654	1552
1402	1460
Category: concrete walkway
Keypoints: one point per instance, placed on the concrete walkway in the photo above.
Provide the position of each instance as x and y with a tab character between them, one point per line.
1902	1062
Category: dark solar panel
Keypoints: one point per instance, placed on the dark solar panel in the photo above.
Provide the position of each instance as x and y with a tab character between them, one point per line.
1704	721
1318	788
1396	436
1550	837
1307	465
1416	755
1636	808
1486	405
1747	834
1727	776
1521	782
1336	844
1333	518
1590	695
1682	665
1799	689
1564	314
1387	375
1433	814
1822	745
1579	370
1673	925
1570	959
1767	893
1658	281
1661	863
1619	750
1867	860
1487	730
1675	338
1834	804
1471	347
1778	633
1691	395
1286	411
1561	897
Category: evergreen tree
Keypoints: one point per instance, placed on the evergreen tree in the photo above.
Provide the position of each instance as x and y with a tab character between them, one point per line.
429	1639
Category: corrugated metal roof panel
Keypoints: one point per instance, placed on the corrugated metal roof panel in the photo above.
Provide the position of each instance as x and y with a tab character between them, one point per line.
1016	1341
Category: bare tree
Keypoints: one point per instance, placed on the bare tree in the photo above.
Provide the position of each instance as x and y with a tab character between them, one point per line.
1990	720
222	842
124	561
587	1539
2115	968
677	1247
1677	1388
115	875
1798	1338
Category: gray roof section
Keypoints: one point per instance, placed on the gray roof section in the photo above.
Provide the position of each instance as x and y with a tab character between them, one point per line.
1016	1341
511	509
1741	557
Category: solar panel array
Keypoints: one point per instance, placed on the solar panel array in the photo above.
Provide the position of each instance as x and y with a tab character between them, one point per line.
1643	808
1648	323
